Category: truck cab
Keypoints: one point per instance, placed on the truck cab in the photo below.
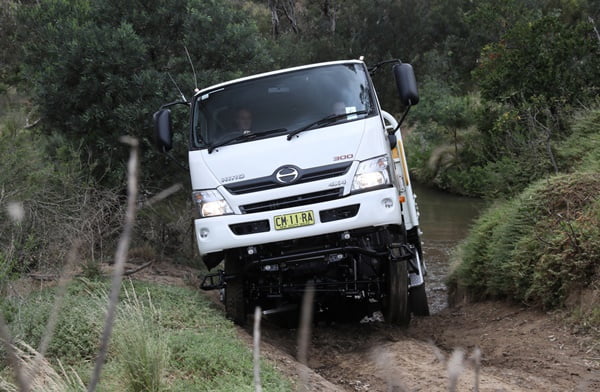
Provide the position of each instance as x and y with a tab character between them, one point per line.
299	178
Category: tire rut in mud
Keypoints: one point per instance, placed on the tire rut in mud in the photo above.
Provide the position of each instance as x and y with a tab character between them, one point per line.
522	351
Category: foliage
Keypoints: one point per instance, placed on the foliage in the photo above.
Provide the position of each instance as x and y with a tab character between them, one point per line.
168	332
61	210
527	98
563	68
581	150
9	48
61	207
98	68
140	344
78	330
538	247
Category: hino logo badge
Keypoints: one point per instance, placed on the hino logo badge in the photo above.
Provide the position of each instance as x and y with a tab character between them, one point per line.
287	175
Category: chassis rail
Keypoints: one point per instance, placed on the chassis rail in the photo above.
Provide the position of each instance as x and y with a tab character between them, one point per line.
396	252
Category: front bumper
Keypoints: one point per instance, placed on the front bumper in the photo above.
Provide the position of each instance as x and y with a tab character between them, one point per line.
375	208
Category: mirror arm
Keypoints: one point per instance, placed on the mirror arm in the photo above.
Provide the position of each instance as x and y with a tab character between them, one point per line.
168	105
402	119
181	165
374	68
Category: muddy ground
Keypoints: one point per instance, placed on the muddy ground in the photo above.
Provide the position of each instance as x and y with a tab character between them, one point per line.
521	349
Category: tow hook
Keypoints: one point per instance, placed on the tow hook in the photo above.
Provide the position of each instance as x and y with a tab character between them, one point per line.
214	281
400	252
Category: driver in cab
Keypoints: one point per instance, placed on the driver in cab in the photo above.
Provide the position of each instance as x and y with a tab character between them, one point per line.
243	121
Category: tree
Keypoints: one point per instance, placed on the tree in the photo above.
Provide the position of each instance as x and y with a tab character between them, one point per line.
9	48
99	68
545	58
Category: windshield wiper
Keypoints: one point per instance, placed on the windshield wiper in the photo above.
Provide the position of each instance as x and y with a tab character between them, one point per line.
324	121
244	136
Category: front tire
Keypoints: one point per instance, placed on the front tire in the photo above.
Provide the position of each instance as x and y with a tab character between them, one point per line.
396	310
235	303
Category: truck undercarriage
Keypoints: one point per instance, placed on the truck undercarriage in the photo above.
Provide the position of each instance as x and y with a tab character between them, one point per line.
352	267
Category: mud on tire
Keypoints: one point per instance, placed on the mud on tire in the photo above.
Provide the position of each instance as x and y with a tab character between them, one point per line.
235	302
395	306
417	301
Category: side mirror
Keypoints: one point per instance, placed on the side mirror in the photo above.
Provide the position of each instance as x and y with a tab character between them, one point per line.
406	84
163	130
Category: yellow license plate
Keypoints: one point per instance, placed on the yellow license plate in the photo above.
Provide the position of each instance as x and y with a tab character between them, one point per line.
298	219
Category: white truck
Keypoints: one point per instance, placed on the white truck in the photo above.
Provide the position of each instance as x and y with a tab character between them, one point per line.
300	177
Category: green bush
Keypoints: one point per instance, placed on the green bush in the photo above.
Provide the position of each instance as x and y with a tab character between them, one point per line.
538	247
61	207
581	150
78	329
165	338
98	69
64	208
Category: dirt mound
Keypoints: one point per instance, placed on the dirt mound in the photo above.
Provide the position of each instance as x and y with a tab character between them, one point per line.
521	350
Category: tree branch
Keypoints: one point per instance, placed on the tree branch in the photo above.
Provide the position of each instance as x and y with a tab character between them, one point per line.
120	258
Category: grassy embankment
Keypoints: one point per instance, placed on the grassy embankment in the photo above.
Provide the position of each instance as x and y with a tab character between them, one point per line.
542	247
165	339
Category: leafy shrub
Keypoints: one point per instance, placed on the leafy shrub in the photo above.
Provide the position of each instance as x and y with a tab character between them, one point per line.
169	338
63	208
563	66
78	329
581	150
99	68
538	247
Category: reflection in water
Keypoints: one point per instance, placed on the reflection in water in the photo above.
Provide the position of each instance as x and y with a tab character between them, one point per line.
445	220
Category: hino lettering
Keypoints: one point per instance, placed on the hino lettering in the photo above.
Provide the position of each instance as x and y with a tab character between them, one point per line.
233	178
325	199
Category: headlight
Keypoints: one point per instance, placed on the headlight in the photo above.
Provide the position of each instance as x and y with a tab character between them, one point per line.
372	173
211	203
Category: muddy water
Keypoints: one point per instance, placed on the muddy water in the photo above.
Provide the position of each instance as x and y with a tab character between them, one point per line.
445	220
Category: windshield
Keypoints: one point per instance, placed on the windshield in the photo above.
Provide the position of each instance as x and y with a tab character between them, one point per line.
279	104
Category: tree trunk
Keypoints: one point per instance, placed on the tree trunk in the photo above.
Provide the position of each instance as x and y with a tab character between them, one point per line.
330	12
455	145
289	9
274	17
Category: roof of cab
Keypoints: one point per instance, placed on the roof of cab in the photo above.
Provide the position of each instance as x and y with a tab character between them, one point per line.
279	71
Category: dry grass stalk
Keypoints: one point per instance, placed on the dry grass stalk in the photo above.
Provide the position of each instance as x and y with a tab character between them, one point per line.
40	374
120	258
384	360
455	367
163	195
256	351
304	336
16	213
475	359
12	355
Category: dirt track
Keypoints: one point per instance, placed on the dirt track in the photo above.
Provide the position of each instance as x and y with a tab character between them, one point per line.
522	350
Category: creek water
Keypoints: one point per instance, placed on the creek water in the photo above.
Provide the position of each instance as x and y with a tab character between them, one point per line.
445	220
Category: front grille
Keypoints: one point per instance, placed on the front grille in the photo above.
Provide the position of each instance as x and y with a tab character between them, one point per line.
260	226
339	213
293	201
305	175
